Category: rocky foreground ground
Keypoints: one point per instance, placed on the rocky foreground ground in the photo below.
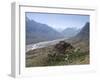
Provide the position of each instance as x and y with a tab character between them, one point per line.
62	53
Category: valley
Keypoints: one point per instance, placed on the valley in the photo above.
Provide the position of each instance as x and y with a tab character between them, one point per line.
47	47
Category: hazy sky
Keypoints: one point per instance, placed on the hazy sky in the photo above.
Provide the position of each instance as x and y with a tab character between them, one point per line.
59	21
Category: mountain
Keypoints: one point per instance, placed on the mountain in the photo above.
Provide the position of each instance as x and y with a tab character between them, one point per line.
70	32
84	33
81	40
37	32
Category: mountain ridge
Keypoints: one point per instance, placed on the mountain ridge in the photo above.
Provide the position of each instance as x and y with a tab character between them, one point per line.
36	32
70	32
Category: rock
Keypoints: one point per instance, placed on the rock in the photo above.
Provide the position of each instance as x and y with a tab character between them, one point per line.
62	46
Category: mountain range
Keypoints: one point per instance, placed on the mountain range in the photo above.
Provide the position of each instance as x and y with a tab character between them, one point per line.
38	32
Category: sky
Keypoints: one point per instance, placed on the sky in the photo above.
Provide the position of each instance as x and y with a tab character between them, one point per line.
59	21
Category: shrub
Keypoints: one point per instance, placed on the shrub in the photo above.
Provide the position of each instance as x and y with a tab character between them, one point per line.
60	52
